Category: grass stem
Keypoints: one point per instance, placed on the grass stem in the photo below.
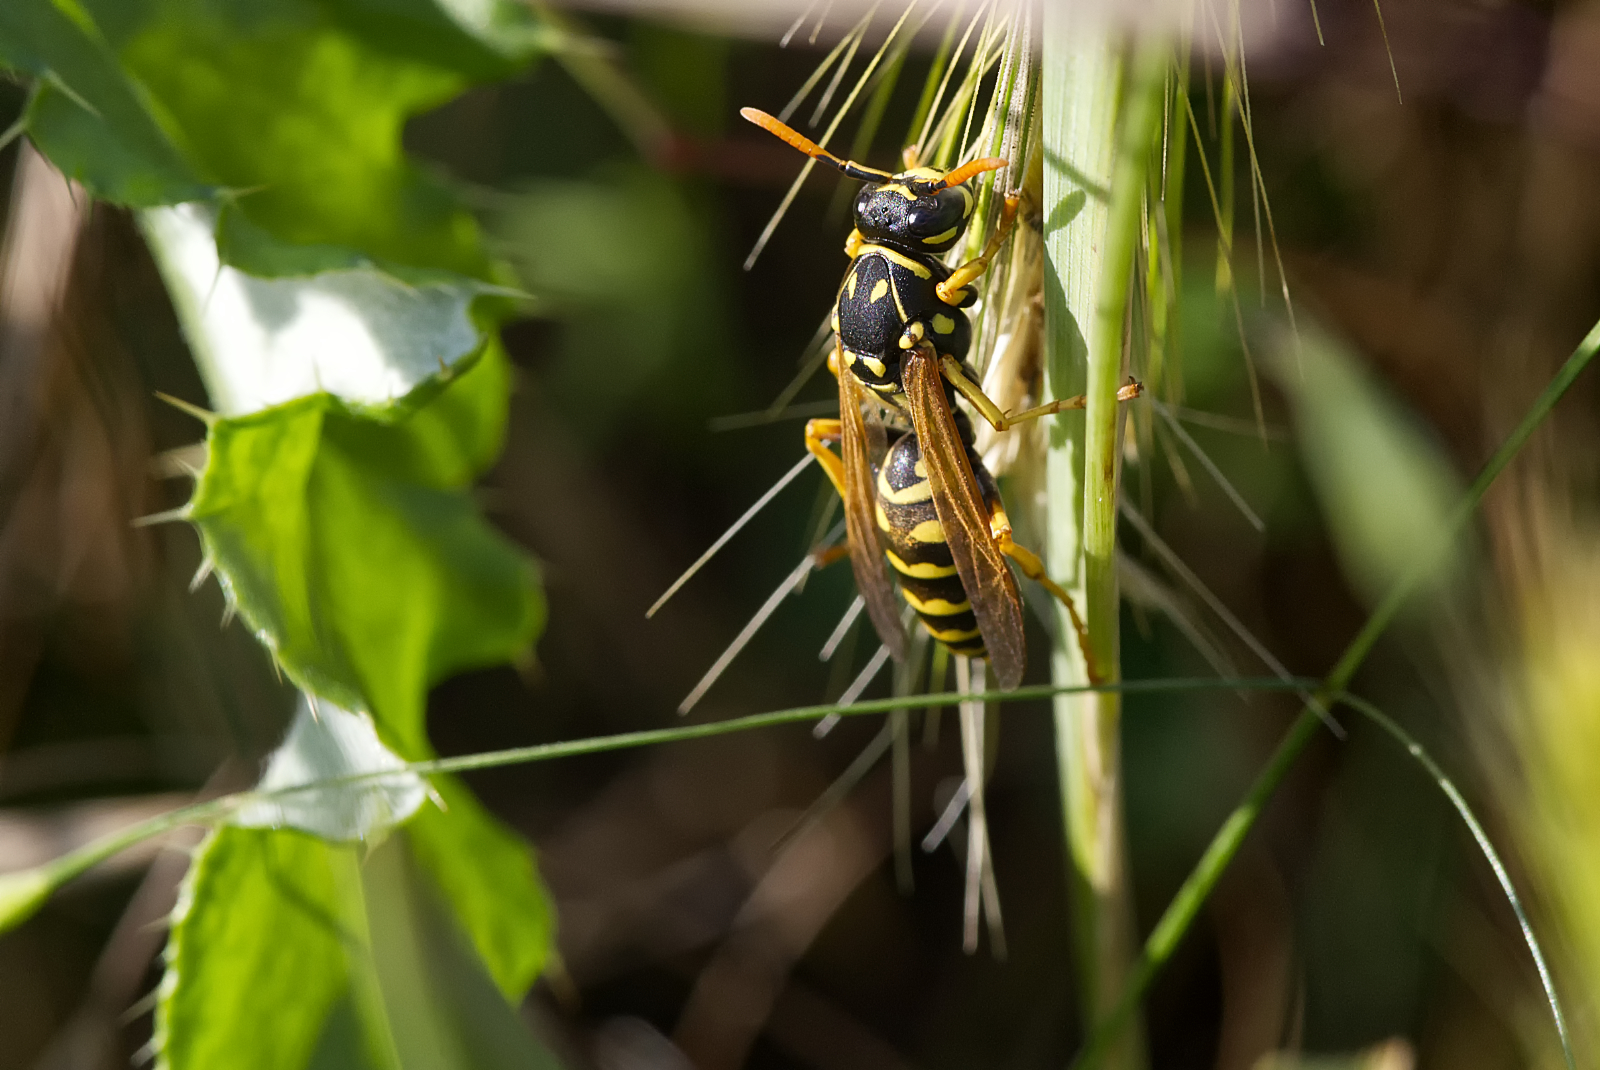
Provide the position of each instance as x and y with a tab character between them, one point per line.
1102	110
1181	912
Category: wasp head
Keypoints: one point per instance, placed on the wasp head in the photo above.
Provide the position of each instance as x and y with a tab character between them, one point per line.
914	211
923	210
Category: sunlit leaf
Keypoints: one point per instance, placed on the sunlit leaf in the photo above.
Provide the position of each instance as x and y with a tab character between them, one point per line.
257	955
441	1008
488	876
327	743
357	332
294	105
86	114
299	107
354	551
289	952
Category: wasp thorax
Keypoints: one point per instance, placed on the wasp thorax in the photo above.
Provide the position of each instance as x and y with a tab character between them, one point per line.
897	213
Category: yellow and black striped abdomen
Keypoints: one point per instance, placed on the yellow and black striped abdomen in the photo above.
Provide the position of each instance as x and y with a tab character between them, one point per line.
918	553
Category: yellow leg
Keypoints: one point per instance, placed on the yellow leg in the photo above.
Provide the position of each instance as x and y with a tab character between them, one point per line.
950	290
1003	420
1033	568
973	393
852	244
818	434
824	558
1127	393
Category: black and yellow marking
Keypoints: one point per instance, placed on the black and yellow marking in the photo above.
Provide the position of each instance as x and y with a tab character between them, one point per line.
917	551
931	508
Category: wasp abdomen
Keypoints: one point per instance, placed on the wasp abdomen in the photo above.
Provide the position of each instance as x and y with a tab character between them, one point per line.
917	551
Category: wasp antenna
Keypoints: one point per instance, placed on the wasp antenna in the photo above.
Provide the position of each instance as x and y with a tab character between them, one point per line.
794	138
971	170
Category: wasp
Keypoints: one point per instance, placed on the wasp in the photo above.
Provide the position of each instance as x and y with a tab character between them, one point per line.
929	509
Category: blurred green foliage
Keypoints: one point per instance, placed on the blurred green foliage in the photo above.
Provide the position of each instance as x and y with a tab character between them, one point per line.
346	538
350	537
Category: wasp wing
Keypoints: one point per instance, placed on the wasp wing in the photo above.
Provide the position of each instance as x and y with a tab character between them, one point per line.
860	520
990	586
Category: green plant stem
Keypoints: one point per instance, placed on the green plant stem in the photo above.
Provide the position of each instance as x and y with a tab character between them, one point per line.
1094	184
1180	913
23	891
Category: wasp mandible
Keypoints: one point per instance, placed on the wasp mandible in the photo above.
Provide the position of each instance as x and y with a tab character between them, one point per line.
931	510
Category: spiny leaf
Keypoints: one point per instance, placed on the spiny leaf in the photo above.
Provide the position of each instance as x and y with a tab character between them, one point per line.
289	952
257	955
487	875
357	332
326	743
354	550
86	113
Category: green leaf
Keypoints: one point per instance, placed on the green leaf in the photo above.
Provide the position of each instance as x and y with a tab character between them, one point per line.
488	876
289	952
441	1010
478	38
300	106
355	552
86	114
358	333
296	105
257	954
1387	488
328	743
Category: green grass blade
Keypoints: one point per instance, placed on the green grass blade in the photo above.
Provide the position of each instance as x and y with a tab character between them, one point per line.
22	892
1490	855
1181	912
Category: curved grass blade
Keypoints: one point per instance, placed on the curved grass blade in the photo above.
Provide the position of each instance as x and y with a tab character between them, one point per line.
1181	912
1446	785
23	891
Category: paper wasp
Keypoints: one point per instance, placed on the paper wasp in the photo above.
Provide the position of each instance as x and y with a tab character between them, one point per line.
931	510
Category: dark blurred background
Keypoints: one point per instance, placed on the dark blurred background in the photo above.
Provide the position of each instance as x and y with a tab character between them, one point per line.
1447	238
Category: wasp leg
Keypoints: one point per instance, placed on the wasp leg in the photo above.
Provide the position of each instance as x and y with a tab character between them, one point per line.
973	393
951	290
818	434
1127	393
853	244
1033	568
824	558
1004	420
